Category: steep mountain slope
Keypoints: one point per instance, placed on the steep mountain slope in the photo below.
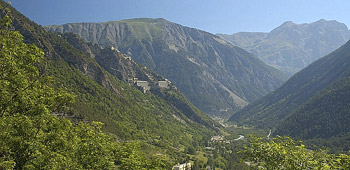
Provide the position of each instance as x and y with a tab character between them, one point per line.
125	69
217	77
307	99
291	47
127	113
325	115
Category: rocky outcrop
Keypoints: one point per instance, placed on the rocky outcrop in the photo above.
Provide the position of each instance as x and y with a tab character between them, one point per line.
291	47
211	72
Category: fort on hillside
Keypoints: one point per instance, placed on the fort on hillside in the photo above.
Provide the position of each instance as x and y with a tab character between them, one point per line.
145	85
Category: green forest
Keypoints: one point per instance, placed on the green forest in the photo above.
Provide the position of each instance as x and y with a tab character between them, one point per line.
33	129
67	104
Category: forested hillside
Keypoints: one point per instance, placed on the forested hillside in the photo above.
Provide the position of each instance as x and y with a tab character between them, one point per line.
311	105
143	94
125	69
216	77
324	119
35	129
278	105
127	113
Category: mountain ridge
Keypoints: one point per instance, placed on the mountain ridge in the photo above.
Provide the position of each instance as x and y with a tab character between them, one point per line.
212	73
291	47
290	104
124	68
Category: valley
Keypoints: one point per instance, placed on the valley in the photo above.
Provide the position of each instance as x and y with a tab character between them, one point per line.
149	93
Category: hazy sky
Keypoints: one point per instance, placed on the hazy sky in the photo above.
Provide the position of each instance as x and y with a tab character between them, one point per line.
215	16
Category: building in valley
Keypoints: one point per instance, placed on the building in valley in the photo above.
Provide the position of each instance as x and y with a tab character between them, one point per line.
185	166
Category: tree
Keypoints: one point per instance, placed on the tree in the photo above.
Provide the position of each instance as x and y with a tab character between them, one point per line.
32	137
196	165
285	153
26	100
191	150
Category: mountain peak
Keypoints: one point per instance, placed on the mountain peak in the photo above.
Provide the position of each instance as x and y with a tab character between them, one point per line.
322	20
292	46
287	24
329	25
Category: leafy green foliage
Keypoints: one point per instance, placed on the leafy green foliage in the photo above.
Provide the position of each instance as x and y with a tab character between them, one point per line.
22	87
225	155
284	153
127	113
32	138
130	157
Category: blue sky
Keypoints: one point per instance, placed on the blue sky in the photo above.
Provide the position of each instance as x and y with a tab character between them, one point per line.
215	16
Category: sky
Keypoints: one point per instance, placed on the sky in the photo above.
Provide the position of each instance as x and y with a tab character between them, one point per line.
214	16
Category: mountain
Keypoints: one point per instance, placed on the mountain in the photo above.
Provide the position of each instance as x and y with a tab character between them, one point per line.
163	117
216	76
291	47
126	69
324	119
311	104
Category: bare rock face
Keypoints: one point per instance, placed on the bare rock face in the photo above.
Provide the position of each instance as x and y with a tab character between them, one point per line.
216	76
291	47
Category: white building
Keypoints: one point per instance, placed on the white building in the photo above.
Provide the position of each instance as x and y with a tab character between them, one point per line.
185	166
163	84
144	85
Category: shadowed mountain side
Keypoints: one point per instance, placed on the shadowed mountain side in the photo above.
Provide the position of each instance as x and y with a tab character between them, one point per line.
306	100
216	77
325	115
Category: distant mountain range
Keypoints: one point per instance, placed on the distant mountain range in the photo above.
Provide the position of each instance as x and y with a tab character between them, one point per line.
312	104
216	76
291	47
